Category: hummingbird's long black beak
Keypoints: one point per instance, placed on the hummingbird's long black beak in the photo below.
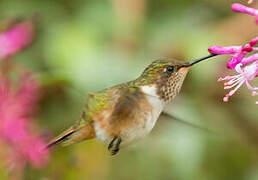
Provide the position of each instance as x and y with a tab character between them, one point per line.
198	60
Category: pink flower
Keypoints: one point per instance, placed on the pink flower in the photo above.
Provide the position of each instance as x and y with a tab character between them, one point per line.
16	38
224	49
245	75
237	53
17	129
250	59
244	9
246	66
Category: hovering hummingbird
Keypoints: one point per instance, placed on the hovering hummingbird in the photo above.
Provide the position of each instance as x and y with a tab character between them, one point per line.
127	112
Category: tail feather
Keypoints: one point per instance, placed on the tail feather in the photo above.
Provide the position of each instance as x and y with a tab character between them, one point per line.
61	138
73	135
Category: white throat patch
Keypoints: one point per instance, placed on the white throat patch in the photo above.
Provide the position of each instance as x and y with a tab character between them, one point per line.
150	90
155	101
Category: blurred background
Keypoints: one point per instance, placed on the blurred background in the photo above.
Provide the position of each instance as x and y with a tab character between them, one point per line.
84	46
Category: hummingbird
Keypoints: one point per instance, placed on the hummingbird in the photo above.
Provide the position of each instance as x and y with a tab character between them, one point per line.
125	113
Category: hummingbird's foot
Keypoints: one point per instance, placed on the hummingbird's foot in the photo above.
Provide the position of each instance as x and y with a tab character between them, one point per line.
114	149
111	144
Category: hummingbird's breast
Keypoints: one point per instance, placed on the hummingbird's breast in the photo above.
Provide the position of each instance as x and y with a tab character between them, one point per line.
145	123
132	117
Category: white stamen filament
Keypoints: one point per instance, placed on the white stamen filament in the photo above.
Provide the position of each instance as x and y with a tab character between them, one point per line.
234	79
236	88
237	82
245	76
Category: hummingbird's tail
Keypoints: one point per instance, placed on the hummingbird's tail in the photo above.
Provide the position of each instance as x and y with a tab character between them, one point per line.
72	135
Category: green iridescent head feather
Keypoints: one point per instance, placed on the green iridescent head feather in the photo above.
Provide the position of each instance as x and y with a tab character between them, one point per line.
150	74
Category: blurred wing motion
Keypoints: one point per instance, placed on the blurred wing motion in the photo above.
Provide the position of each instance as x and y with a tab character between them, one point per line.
172	117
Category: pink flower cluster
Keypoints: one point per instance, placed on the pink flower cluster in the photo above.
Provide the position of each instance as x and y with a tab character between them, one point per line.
238	53
16	125
245	66
18	137
16	38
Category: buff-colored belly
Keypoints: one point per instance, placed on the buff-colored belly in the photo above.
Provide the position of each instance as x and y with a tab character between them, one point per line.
128	134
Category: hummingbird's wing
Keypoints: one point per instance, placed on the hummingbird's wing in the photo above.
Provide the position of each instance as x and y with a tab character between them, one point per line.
114	108
126	106
83	129
96	104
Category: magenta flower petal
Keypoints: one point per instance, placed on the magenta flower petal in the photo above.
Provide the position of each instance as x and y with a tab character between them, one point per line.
234	60
244	9
224	49
254	41
250	59
238	52
15	39
232	63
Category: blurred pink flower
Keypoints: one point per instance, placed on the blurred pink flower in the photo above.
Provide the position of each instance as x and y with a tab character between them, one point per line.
16	38
244	9
245	75
17	129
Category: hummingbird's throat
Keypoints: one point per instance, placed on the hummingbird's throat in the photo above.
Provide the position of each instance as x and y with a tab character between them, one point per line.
171	88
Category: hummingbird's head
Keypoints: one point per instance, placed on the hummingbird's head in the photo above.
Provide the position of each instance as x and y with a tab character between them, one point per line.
167	76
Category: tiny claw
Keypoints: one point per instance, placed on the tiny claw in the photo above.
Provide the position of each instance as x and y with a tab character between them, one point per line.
110	146
114	152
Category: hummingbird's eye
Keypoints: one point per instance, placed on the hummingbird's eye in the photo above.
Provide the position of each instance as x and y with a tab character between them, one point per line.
170	69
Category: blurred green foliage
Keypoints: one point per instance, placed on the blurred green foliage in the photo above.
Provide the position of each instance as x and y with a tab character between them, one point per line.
87	45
